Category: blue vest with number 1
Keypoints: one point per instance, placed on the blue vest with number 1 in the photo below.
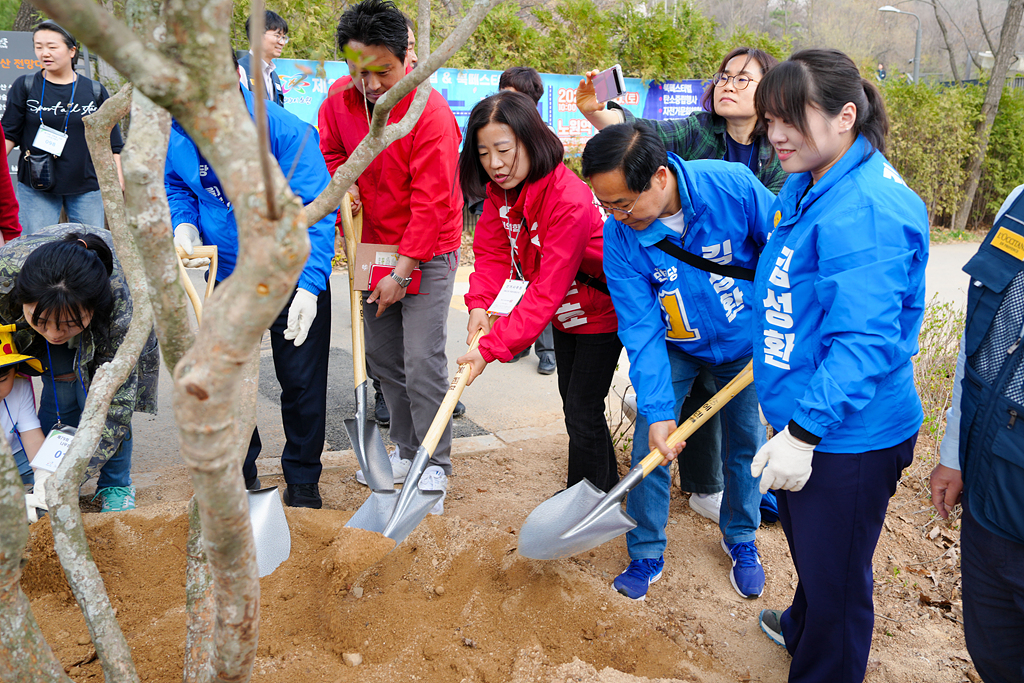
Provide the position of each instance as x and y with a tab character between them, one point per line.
992	407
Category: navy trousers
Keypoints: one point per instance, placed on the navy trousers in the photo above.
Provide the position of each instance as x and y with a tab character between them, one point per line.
832	526
302	373
993	586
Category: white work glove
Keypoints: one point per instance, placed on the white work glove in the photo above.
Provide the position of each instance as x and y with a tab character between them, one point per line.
785	461
36	500
300	315
187	237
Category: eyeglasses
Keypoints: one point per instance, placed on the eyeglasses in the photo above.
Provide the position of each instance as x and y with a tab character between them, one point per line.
624	212
279	37
740	82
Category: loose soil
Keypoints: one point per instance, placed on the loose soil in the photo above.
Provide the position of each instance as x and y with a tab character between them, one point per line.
456	602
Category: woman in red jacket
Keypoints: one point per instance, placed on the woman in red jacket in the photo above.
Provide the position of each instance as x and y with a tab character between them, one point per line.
540	224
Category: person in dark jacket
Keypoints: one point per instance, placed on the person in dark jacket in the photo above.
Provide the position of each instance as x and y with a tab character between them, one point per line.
980	456
275	37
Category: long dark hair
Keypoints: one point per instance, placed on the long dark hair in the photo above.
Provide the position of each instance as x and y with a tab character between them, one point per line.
767	62
64	277
519	113
825	79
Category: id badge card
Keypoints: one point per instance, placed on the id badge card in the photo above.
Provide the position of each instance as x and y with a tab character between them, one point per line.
54	448
50	140
511	293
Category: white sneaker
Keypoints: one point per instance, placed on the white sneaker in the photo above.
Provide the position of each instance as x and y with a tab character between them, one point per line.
399	468
707	504
434	479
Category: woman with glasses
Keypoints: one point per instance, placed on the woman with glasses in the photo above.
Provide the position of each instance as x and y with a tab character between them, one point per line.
275	37
727	128
838	300
540	226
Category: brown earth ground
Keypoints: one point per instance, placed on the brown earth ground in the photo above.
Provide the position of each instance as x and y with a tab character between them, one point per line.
456	602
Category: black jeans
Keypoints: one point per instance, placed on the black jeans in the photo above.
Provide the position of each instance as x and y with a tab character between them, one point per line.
586	364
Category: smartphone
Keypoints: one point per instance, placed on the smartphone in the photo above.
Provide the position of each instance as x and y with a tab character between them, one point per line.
609	84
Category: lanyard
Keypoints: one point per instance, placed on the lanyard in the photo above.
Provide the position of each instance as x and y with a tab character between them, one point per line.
15	429
42	96
78	370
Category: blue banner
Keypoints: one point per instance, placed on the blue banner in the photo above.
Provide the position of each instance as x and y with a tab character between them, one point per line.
306	84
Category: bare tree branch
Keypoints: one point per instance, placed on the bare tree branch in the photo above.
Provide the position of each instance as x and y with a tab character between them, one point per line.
258	28
984	30
945	39
24	653
380	137
199	604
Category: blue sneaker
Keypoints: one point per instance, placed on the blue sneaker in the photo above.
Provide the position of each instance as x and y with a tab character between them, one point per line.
116	498
747	574
638	576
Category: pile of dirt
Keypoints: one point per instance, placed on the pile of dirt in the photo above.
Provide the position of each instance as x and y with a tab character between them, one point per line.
456	602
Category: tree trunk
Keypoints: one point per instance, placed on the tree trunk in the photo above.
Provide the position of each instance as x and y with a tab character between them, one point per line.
990	107
27	17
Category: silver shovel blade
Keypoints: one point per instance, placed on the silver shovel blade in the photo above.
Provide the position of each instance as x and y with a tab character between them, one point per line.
577	519
368	445
396	513
269	528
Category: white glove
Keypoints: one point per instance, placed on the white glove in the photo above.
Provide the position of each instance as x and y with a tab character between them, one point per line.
785	461
187	237
300	316
36	500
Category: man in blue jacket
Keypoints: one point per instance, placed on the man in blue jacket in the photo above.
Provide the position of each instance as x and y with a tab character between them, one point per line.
985	439
675	318
300	337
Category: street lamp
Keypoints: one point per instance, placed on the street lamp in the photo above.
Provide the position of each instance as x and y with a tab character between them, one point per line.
917	46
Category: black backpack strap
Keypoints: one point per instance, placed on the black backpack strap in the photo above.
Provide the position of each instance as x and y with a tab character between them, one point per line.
96	91
736	272
30	80
592	282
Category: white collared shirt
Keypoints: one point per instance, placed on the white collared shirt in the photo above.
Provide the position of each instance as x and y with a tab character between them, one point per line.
268	68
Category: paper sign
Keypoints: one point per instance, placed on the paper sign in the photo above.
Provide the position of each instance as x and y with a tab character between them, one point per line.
53	449
511	292
50	140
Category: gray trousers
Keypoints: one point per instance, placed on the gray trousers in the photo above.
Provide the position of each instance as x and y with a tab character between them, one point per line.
405	350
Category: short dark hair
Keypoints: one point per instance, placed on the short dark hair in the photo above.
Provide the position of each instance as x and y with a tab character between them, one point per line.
826	79
69	39
375	22
272	21
519	113
65	276
632	148
523	79
767	62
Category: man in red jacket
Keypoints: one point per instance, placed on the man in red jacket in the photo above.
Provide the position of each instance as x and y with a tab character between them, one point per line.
410	199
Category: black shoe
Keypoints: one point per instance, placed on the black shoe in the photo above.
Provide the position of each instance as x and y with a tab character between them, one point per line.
460	409
522	354
303	496
380	411
547	363
253	484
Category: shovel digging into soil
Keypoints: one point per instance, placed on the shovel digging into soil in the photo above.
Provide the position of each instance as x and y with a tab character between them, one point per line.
396	513
583	517
266	514
367	443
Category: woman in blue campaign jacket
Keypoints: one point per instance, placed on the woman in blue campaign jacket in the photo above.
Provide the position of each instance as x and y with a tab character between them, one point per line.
839	297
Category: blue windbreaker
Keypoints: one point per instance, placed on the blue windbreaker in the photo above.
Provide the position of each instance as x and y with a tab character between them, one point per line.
660	300
839	298
191	202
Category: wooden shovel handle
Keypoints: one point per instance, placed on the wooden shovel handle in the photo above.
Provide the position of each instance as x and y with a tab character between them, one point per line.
703	414
352	226
206	251
444	413
190	289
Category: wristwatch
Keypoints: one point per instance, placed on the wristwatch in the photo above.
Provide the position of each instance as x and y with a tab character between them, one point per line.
402	281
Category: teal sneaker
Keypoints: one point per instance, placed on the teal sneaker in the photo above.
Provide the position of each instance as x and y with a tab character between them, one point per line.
117	498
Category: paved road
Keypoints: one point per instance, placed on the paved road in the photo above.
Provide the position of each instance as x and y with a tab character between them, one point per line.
509	402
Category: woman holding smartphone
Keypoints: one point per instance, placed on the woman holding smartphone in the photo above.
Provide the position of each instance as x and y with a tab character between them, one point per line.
838	298
540	225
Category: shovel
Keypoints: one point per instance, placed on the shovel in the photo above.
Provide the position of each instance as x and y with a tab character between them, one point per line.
583	517
266	514
396	513
367	443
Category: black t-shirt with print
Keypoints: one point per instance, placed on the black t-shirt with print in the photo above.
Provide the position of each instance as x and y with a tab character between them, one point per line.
73	168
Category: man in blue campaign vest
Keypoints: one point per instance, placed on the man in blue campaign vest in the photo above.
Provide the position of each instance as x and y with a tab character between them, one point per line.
985	441
676	317
300	337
